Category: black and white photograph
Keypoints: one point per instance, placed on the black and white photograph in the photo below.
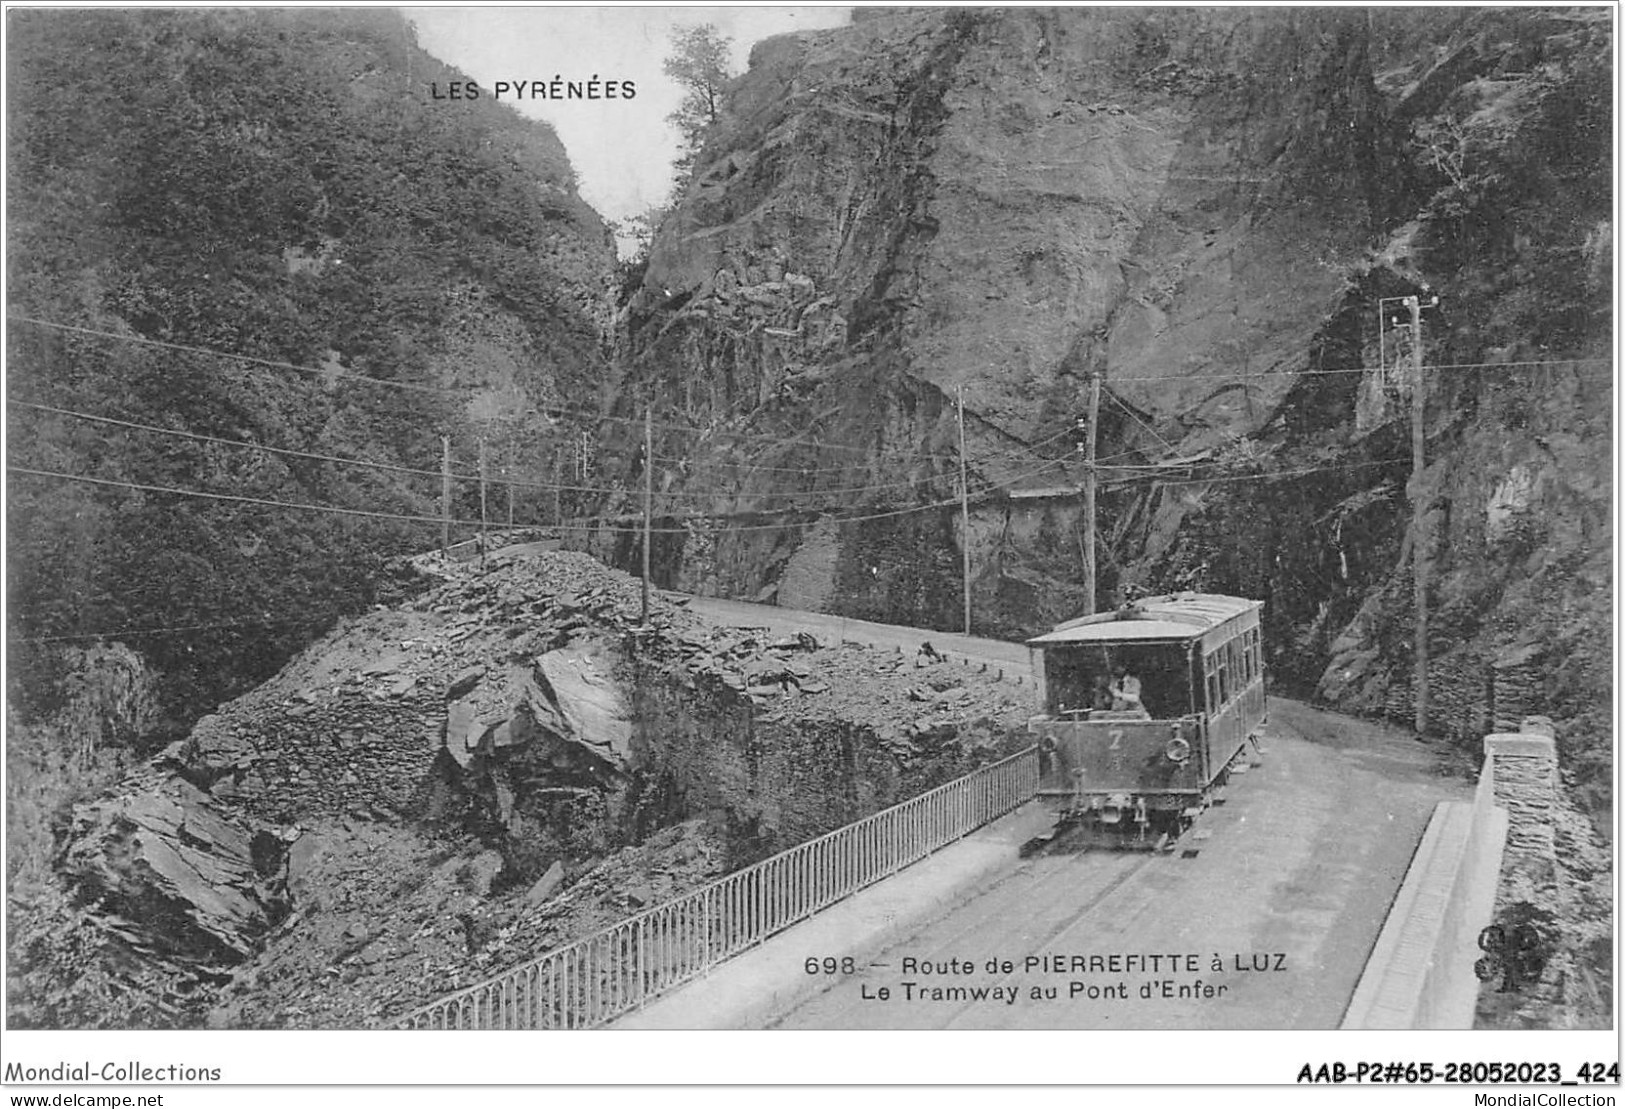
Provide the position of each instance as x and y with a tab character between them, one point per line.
860	520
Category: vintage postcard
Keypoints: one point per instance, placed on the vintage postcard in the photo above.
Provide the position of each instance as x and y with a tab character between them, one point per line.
1093	521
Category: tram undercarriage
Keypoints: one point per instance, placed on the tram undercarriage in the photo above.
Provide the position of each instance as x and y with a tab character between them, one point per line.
1142	823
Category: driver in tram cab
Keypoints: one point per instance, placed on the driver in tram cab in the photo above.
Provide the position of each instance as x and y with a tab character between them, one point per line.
1126	693
1100	696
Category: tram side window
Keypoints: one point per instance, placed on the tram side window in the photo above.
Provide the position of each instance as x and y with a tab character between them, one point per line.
1072	675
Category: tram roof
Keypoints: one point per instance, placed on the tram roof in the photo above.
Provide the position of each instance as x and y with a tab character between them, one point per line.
1177	616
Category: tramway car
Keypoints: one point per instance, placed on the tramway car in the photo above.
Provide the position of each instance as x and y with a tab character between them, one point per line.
1144	710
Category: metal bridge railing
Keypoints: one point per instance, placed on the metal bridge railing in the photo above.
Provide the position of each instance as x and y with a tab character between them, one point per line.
611	972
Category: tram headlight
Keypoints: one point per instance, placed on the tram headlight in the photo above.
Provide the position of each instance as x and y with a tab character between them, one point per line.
1178	749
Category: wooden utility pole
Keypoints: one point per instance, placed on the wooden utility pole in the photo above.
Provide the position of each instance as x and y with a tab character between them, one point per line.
648	499
1419	513
558	477
1090	430
483	543
507	474
964	509
445	495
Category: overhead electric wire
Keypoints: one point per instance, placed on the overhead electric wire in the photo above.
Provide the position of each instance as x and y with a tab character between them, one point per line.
143	632
566	411
522	483
990	486
1115	399
234	497
387	384
1268	476
561	525
544	409
271	363
131	633
1014	454
600	418
249	444
1375	369
390	467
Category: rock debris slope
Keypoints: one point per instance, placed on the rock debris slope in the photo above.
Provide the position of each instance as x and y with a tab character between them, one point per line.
505	762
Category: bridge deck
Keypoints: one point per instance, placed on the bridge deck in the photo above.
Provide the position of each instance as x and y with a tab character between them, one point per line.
752	989
995	652
1294	875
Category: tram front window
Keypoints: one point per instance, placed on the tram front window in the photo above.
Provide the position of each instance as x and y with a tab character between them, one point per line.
1104	678
1078	680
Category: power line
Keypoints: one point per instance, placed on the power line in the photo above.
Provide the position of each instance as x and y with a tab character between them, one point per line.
1374	369
389	467
247	444
565	411
820	516
989	487
1014	454
544	409
128	633
882	515
131	633
992	486
235	498
1119	402
522	484
561	525
271	363
1150	478
1265	476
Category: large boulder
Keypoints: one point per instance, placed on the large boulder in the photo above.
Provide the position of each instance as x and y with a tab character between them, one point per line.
174	875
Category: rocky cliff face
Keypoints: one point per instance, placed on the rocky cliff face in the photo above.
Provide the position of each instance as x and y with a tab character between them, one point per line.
1004	203
1204	208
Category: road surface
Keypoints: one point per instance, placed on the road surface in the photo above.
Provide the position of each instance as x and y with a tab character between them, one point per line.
1268	926
995	652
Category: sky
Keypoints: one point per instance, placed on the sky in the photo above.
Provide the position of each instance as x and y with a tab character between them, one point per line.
622	150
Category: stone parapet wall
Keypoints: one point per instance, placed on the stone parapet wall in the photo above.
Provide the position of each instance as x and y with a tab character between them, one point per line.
1525	784
1517	689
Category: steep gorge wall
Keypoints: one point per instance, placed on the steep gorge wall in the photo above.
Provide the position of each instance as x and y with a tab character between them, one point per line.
1000	202
1205	207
